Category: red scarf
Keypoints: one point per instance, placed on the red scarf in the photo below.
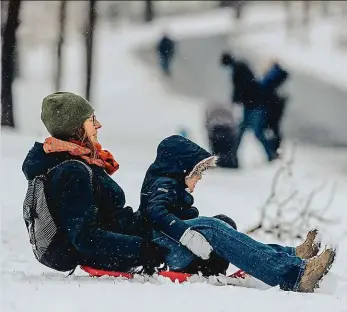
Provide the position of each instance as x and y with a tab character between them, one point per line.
103	158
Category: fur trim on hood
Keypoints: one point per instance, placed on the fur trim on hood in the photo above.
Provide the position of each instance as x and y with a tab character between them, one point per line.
205	164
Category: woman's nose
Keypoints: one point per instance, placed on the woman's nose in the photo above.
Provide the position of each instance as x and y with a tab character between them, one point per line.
98	125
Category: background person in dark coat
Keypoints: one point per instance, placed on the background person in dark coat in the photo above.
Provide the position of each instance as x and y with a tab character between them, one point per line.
179	165
166	50
248	93
222	135
274	101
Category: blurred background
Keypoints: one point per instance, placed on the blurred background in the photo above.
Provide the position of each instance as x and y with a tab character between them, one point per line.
57	45
207	70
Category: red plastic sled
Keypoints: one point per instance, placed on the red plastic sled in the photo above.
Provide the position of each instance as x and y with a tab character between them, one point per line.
173	276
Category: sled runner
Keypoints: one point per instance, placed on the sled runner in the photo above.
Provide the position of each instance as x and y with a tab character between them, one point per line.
238	278
173	276
180	277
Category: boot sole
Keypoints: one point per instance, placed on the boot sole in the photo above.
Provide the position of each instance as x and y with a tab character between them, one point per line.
327	268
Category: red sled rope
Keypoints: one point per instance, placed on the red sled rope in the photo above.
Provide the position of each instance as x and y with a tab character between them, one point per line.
173	276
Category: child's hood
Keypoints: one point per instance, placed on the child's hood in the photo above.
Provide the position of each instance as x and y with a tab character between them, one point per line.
177	156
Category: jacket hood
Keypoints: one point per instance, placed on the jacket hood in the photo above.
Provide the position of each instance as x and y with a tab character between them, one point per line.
177	157
37	162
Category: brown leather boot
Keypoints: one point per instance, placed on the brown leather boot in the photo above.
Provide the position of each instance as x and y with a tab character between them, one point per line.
315	270
309	248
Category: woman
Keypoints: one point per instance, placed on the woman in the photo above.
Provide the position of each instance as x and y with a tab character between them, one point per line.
178	167
92	225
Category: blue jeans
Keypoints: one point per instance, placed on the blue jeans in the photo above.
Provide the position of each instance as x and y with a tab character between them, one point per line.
165	62
255	119
272	264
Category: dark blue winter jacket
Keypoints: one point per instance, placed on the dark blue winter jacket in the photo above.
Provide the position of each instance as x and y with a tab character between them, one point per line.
94	226
166	47
246	89
274	102
274	78
164	199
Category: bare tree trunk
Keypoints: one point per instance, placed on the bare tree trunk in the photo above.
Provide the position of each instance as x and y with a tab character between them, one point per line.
238	9
62	18
9	44
149	13
89	35
306	18
236	5
341	27
289	17
306	13
325	8
4	9
225	3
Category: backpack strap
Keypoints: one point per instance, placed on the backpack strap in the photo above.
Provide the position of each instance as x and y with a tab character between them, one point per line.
90	172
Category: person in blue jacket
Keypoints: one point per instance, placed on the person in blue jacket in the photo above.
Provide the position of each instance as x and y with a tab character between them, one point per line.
167	206
275	102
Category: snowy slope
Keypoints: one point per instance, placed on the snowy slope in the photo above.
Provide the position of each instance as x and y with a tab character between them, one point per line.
137	112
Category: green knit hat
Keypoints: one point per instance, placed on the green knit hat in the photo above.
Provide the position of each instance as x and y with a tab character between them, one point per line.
64	112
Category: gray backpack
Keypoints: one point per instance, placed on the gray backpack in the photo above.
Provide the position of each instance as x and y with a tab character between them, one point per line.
37	216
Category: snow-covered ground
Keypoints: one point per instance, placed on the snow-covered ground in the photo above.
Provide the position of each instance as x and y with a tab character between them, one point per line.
136	113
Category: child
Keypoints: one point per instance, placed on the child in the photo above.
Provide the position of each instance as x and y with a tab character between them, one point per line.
166	205
168	173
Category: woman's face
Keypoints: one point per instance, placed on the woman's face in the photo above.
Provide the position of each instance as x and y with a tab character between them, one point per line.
91	126
192	181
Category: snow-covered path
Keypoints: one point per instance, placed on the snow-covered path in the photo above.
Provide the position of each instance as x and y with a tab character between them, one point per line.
137	112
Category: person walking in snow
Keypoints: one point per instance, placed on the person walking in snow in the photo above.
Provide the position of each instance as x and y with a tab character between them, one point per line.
166	50
85	221
166	204
248	93
275	103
